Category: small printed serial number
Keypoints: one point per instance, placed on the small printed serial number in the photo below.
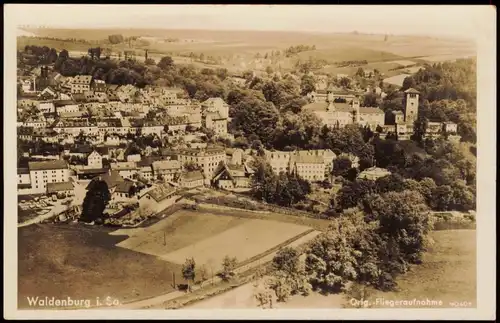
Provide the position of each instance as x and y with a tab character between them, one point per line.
461	304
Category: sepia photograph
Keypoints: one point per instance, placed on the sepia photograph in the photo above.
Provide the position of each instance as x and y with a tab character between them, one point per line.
277	161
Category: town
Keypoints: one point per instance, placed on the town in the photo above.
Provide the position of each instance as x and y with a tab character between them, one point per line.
191	169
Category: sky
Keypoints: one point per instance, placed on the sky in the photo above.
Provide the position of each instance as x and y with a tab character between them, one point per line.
456	21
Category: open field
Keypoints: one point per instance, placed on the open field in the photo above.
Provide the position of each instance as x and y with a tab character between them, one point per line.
238	48
79	261
448	273
175	232
205	237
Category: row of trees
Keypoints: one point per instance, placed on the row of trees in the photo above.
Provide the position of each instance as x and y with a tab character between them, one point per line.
189	270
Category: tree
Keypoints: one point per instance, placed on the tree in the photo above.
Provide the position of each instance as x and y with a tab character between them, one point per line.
341	165
442	198
166	63
342	253
360	72
307	84
390	183
353	192
403	218
95	201
286	260
228	267
419	129
255	117
345	82
188	271
408	82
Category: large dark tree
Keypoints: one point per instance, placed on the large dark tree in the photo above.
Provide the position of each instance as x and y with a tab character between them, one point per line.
95	201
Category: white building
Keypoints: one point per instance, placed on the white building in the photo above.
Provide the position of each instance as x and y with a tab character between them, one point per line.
94	160
81	83
125	169
41	173
206	159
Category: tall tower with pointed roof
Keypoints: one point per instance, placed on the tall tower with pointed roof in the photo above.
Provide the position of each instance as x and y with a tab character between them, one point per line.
411	105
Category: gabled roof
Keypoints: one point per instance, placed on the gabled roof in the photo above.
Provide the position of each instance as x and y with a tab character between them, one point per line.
112	179
161	192
124	187
192	176
166	165
47	165
412	91
59	187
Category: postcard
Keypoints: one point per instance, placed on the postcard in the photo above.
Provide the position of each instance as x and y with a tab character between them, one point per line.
249	161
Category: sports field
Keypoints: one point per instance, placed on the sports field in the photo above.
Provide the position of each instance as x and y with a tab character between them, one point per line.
208	238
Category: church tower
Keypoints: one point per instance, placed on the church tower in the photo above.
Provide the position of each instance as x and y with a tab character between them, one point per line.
411	105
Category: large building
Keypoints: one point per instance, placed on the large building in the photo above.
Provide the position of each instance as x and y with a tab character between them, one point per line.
338	115
41	173
207	160
312	165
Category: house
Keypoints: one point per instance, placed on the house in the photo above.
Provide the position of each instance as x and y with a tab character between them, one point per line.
66	106
216	105
124	190
216	122
308	167
81	83
327	155
63	188
158	198
81	151
47	107
231	177
44	172
134	158
373	173
111	179
191	179
48	94
167	169
99	86
125	169
94	160
450	127
279	160
207	160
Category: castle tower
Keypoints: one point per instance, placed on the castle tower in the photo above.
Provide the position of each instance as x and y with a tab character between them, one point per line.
411	105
